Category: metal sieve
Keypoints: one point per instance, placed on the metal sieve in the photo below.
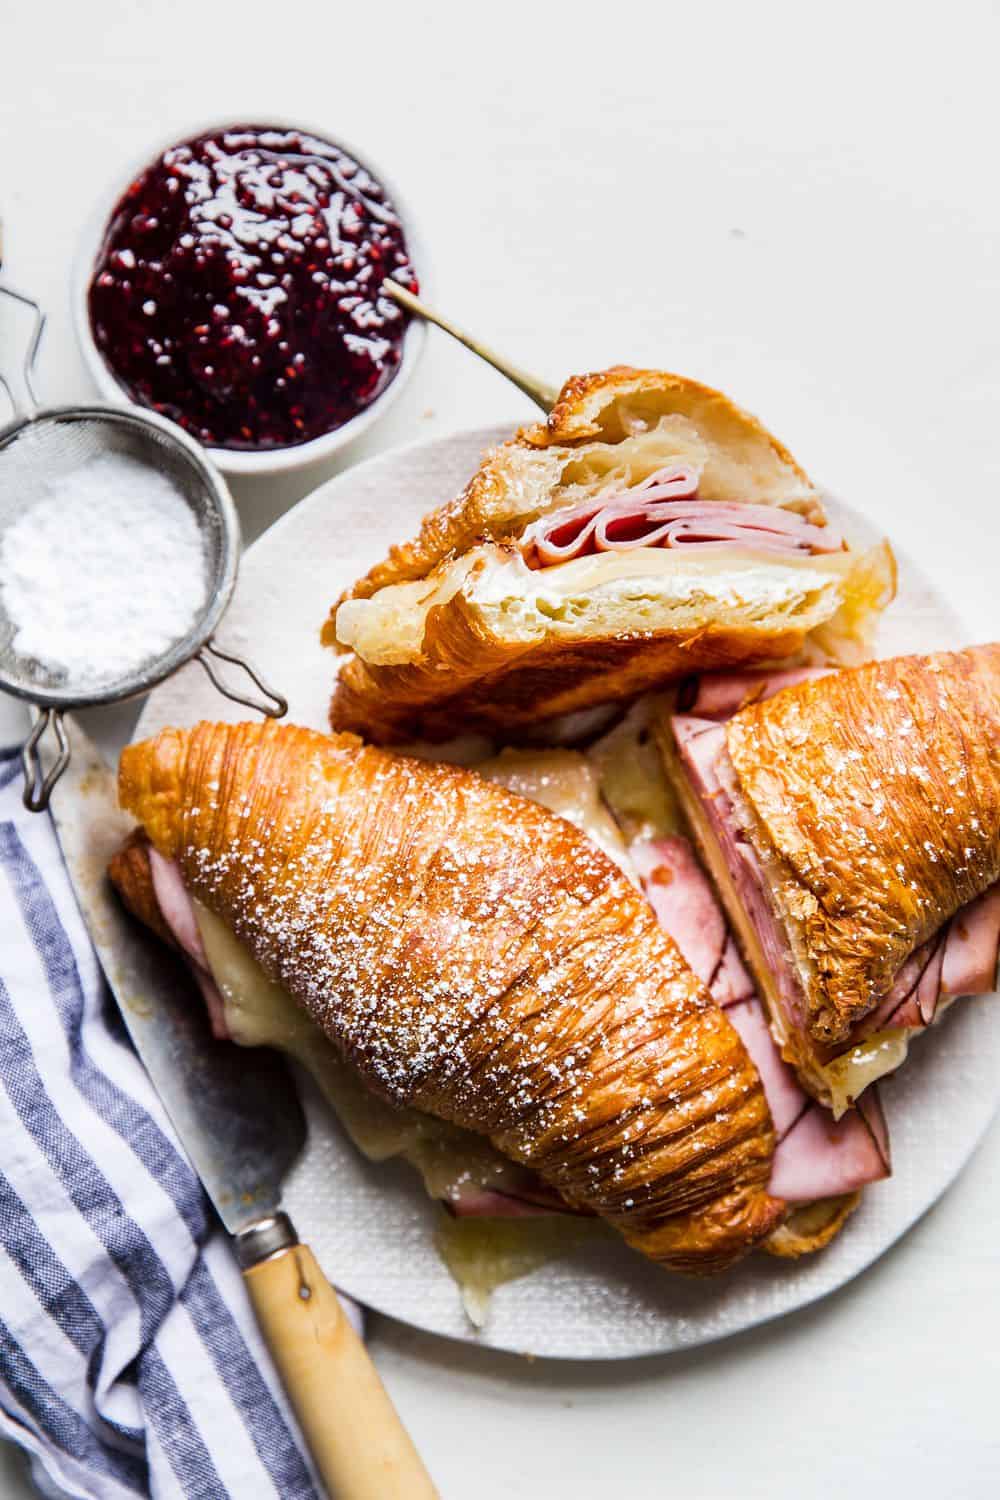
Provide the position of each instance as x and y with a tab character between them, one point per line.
42	445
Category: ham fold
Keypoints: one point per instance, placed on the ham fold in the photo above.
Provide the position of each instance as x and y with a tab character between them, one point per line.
666	511
959	960
702	744
816	1156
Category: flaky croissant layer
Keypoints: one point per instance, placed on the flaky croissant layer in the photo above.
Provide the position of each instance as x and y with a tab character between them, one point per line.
478	959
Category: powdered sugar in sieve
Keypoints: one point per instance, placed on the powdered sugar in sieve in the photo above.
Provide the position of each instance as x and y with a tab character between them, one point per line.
105	572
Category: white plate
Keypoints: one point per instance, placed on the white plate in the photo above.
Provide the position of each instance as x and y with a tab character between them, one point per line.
372	1226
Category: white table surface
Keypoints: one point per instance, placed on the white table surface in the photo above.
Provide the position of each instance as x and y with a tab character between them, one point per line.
801	210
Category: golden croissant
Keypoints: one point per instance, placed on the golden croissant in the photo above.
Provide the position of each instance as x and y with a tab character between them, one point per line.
478	959
648	529
851	822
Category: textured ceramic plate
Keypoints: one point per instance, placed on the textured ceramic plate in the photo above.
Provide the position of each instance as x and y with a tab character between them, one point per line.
372	1227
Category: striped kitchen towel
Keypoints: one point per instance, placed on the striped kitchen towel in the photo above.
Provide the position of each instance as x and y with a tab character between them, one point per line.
129	1360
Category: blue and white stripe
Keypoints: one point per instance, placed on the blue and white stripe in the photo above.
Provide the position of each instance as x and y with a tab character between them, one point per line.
129	1360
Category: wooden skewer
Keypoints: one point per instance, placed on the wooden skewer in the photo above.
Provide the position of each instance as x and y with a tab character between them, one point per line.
539	391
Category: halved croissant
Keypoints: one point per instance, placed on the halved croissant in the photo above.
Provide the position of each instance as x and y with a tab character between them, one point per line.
480	960
612	424
486	620
848	819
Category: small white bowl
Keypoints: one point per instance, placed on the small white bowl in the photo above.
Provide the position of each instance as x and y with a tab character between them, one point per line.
267	461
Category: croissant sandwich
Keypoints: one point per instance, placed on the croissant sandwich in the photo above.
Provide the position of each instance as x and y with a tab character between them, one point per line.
851	823
649	528
480	961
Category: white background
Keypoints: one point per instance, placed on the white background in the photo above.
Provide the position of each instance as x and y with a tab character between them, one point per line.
801	209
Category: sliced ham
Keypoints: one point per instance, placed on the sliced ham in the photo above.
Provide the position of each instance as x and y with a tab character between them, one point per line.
178	913
214	1003
665	511
972	948
824	1158
871	1111
689	727
899	1006
677	889
960	960
732	982
785	1098
929	989
471	1201
702	745
486	1203
719	695
175	906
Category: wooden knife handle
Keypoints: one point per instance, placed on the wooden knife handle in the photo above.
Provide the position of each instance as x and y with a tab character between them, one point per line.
358	1443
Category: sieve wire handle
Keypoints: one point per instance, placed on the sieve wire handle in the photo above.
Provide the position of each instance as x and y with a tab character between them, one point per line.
20	385
38	782
271	703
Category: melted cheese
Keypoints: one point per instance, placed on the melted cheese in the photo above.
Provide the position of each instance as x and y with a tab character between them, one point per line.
632	780
565	783
734	573
849	1075
388	628
482	1254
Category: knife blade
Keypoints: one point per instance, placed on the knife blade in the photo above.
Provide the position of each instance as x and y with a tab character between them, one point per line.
238	1116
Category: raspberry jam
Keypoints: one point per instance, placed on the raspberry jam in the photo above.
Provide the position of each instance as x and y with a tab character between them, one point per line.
237	288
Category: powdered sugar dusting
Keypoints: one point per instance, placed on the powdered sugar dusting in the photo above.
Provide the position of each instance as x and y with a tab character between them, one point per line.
480	960
872	789
104	573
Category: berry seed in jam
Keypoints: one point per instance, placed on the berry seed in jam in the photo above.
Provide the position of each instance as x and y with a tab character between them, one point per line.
238	288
